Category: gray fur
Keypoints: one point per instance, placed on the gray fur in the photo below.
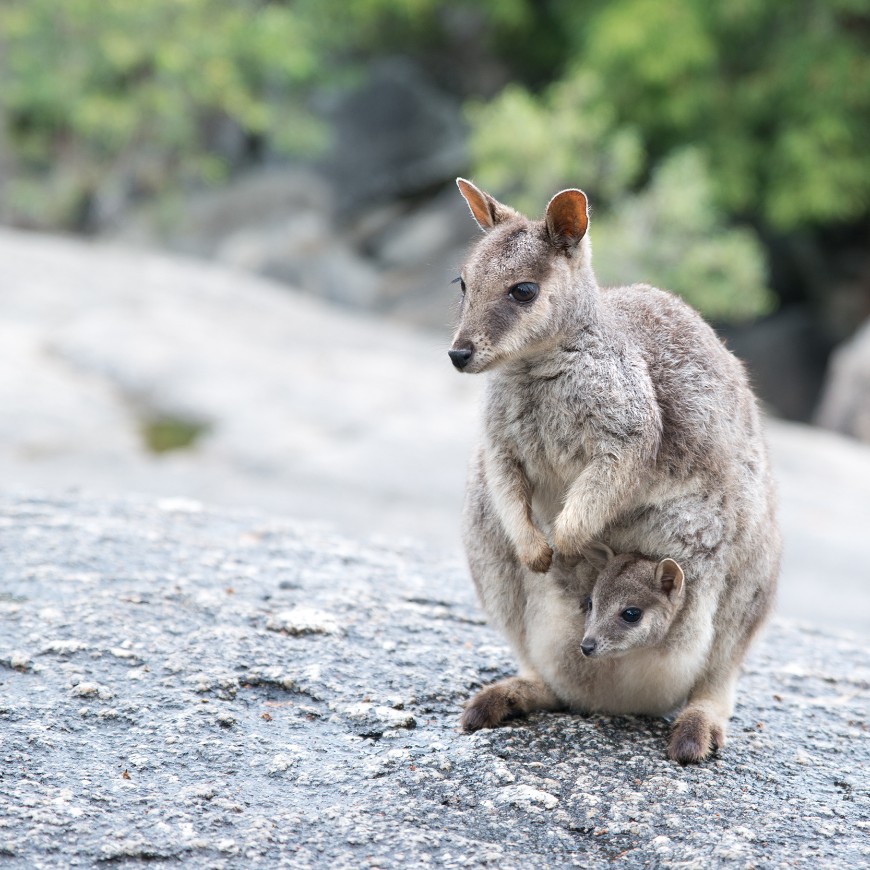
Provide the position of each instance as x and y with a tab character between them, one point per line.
615	415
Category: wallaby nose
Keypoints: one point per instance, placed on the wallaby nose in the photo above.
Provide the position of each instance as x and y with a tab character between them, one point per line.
461	353
588	647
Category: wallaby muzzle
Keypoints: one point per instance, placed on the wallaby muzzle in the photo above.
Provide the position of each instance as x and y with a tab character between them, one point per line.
461	353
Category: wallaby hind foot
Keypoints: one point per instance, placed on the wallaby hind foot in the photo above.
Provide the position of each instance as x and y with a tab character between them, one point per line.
697	734
506	699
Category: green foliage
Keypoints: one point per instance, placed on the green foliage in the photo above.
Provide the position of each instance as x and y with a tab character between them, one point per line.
103	98
681	118
776	95
671	233
672	236
94	89
772	101
565	137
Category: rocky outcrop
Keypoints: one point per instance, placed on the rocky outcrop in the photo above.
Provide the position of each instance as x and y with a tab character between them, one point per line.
227	690
845	405
376	227
395	259
398	136
300	409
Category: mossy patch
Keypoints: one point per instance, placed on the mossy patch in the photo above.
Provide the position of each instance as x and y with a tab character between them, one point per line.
162	434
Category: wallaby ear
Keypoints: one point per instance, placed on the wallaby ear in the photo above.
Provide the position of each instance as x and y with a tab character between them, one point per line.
567	219
669	576
486	209
597	554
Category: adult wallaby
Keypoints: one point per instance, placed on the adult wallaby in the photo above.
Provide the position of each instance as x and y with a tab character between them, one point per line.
616	415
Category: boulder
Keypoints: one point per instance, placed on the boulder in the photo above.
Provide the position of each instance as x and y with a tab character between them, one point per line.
276	221
420	235
845	402
199	223
304	252
418	250
786	355
224	689
298	408
397	136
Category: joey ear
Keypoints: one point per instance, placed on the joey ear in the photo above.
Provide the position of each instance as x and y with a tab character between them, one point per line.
598	554
567	219
669	576
486	209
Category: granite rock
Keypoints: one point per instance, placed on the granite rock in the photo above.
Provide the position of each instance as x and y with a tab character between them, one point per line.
156	707
304	410
845	403
397	136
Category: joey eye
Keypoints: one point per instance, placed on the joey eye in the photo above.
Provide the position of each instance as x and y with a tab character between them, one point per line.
587	604
458	280
524	292
631	614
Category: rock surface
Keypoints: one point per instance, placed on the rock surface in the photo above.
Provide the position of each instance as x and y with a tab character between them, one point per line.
396	136
305	410
227	690
845	404
786	358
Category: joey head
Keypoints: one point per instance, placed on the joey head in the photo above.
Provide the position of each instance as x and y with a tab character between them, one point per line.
632	604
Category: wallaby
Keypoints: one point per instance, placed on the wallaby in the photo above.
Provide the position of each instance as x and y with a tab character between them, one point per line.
610	414
632	603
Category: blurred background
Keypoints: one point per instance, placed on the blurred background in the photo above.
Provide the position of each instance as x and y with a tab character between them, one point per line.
228	230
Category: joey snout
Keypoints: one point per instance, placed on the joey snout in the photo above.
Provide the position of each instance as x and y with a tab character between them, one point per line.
588	647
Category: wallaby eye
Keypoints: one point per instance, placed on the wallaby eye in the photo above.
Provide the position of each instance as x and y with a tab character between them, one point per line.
525	291
631	614
458	280
587	604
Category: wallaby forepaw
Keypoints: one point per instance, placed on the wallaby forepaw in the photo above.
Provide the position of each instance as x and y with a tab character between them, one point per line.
487	709
695	737
569	546
537	559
